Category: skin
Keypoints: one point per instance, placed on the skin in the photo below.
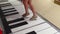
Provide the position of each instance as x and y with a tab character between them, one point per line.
28	3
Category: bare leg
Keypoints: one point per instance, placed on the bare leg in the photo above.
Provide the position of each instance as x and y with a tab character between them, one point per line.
25	2
32	8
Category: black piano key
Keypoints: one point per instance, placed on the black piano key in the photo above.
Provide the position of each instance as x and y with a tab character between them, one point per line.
18	25
33	32
6	4
8	9
12	14
16	20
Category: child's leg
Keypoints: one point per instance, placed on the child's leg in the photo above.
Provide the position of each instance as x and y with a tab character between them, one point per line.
25	2
32	8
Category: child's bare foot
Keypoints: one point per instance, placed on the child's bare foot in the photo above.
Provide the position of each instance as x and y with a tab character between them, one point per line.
26	14
33	18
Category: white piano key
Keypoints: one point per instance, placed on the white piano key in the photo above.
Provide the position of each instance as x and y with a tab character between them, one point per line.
41	27
10	13
7	7
4	2
57	33
47	31
38	19
36	28
12	17
15	2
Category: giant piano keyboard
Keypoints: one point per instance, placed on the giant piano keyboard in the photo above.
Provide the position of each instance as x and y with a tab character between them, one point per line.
15	24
